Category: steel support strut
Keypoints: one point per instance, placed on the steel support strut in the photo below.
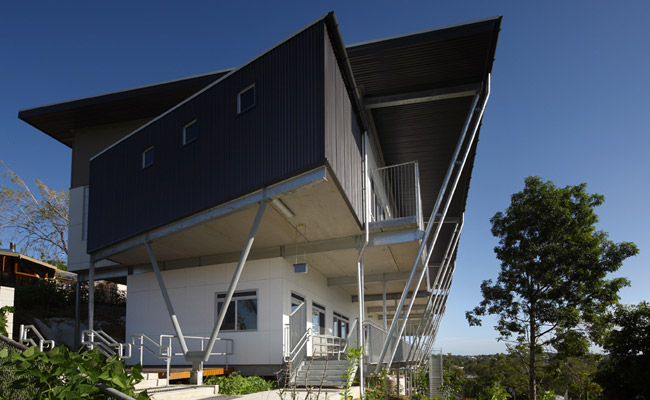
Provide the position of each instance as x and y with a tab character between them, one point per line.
235	280
168	302
427	318
457	164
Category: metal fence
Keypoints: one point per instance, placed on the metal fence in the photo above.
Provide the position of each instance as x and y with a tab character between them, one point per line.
395	192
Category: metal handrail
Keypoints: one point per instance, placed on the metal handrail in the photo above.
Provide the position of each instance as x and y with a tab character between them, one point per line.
396	192
105	344
301	343
27	341
203	339
348	338
334	343
157	350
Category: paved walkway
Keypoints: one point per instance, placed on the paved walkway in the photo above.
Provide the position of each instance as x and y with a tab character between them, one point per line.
300	394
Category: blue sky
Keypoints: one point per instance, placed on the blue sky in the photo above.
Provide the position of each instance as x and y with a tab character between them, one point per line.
570	99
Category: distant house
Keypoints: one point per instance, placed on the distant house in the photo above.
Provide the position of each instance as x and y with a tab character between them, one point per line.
310	167
17	268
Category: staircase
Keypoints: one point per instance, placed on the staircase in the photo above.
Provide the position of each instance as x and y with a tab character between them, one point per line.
435	375
319	371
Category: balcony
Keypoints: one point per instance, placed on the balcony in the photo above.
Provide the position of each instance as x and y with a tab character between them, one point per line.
395	196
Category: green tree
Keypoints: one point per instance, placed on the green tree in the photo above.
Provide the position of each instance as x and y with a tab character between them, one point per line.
552	288
624	373
38	223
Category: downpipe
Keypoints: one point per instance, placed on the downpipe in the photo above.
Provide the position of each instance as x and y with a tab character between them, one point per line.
362	249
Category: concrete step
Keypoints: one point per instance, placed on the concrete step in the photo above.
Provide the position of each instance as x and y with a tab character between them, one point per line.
185	392
151	383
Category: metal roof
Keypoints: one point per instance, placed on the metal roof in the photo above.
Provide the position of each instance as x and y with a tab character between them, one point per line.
60	120
417	92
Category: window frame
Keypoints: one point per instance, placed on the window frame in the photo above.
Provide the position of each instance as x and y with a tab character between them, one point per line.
144	164
239	94
296	298
322	313
342	319
195	138
247	294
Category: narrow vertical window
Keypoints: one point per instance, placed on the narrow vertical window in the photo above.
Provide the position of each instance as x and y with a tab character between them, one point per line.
190	132
147	157
246	99
318	318
341	325
296	301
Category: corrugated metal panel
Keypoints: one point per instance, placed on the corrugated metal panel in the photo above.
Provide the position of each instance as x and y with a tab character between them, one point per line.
343	147
444	58
234	154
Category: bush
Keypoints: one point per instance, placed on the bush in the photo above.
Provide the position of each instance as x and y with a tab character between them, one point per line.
235	384
57	374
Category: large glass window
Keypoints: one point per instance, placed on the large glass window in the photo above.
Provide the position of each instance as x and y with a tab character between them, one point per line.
241	314
341	325
318	318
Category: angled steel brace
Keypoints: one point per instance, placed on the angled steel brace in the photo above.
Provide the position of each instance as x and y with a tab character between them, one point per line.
435	292
205	355
168	302
454	162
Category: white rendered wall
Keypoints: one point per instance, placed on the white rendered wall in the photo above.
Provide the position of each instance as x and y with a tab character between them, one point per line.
7	299
192	292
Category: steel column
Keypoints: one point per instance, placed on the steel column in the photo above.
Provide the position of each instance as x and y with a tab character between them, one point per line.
235	280
168	302
384	304
91	297
77	313
360	273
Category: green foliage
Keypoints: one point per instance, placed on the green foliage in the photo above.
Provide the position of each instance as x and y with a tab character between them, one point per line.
547	395
496	392
4	319
377	385
354	356
452	377
623	374
552	288
476	373
63	374
235	384
38	222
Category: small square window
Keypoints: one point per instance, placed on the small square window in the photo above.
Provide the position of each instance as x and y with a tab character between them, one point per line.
190	132
246	99
147	157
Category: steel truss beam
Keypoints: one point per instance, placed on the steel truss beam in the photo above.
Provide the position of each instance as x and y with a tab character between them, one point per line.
422	96
455	168
374	278
421	294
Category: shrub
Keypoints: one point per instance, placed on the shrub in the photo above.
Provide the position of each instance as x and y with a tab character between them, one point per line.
235	384
64	374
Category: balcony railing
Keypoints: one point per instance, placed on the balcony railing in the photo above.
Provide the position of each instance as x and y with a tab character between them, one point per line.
395	195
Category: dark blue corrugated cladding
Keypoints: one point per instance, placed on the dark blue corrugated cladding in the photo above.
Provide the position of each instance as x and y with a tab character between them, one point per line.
235	154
